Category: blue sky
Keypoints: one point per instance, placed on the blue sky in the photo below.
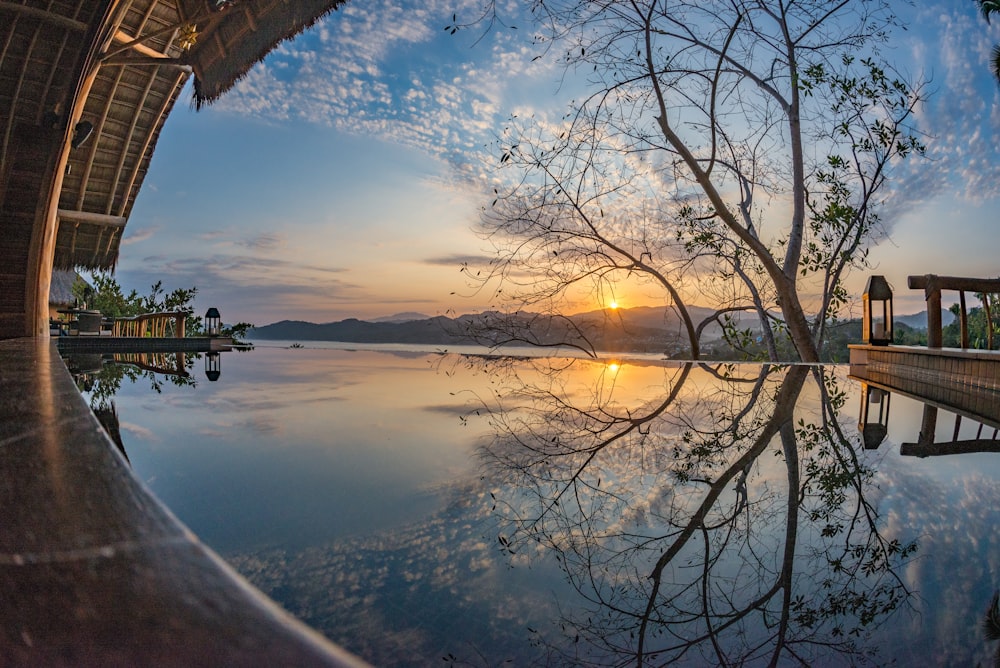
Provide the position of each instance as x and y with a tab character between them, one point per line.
338	179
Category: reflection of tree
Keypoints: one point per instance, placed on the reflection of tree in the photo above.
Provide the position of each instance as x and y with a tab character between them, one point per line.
100	377
716	523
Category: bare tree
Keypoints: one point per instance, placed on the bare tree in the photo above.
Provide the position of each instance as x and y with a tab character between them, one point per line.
736	149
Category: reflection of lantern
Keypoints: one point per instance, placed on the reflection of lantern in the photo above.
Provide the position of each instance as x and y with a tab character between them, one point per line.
876	327
213	324
874	421
213	366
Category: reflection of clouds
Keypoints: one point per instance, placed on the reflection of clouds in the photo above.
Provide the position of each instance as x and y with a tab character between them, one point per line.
140	432
262	425
954	514
423	590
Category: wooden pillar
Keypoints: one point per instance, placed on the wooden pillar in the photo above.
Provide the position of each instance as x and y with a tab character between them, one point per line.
932	291
928	425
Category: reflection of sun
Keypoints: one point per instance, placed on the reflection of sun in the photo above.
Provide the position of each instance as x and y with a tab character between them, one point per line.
613	367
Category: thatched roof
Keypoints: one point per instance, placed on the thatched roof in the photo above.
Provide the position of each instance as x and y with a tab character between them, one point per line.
249	31
61	288
136	56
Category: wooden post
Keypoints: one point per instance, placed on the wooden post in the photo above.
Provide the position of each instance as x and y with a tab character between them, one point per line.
928	425
932	293
963	321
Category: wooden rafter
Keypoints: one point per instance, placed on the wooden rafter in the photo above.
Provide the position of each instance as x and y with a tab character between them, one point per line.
127	142
72	241
98	129
44	15
147	61
122	38
251	19
15	96
97	247
150	133
213	18
52	74
115	233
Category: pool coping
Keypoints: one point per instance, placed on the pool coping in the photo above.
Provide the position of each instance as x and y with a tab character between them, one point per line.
94	569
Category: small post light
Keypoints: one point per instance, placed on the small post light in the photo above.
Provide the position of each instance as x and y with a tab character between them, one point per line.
876	325
874	421
213	366
213	324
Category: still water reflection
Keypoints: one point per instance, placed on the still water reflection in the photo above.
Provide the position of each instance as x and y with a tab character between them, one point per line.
416	507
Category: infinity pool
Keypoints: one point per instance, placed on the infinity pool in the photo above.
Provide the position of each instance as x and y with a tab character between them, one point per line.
423	508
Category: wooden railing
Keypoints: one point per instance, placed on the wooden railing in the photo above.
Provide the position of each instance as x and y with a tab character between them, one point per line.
932	286
156	325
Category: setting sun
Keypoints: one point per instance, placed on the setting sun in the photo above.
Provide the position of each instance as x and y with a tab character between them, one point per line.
613	305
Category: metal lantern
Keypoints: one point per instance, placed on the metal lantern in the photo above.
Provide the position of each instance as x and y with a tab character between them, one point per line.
874	421
876	327
213	366
213	323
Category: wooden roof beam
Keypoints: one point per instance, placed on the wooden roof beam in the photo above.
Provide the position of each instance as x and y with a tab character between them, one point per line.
122	38
77	217
213	17
146	61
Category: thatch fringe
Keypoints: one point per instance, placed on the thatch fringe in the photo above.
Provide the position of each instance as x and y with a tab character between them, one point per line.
216	73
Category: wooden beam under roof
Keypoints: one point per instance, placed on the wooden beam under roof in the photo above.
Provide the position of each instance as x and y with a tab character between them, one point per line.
71	216
147	61
123	38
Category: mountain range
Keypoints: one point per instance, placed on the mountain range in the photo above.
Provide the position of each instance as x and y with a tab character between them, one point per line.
640	329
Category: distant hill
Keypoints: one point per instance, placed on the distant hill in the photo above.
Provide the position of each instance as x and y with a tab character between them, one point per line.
641	329
919	320
409	316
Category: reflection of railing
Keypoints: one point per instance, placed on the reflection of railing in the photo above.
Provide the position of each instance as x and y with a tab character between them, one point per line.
927	445
873	423
933	285
156	325
171	364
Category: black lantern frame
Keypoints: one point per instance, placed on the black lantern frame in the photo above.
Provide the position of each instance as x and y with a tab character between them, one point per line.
213	366
874	421
876	322
213	322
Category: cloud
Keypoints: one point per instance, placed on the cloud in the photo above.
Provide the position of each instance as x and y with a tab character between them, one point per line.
141	235
389	70
457	260
266	241
960	117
